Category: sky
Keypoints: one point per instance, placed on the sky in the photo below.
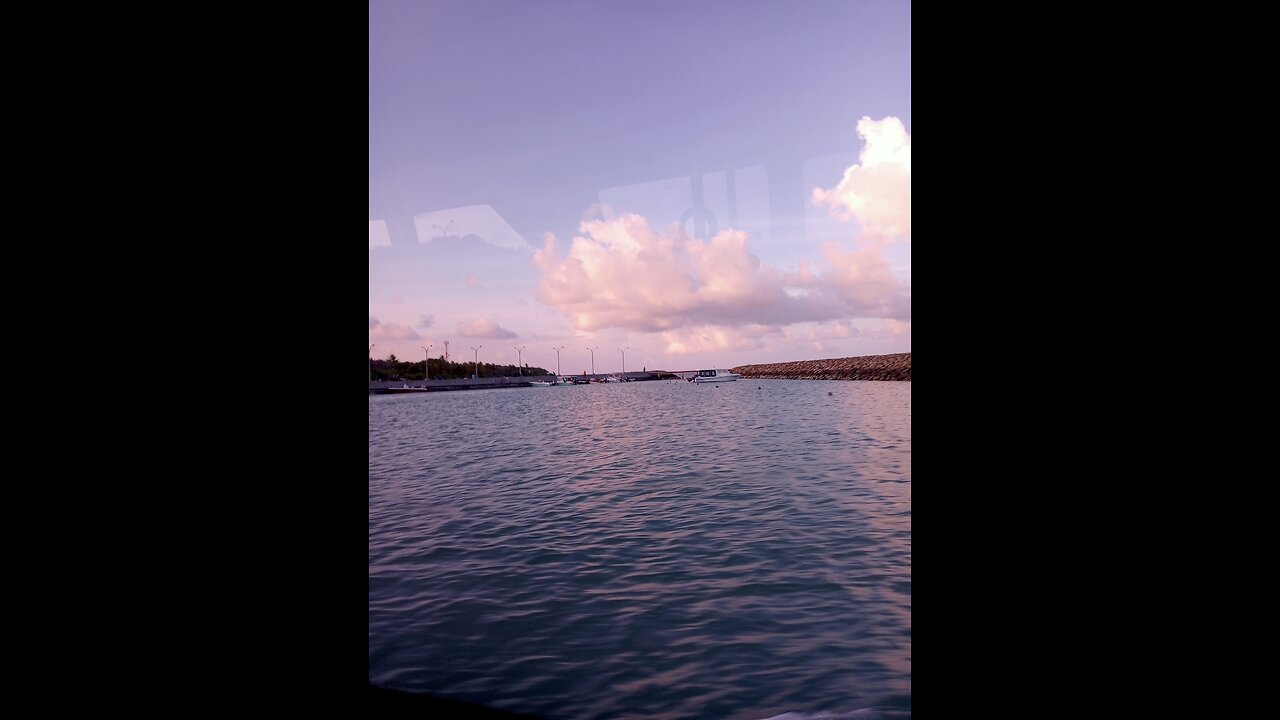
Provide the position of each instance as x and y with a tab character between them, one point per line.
681	185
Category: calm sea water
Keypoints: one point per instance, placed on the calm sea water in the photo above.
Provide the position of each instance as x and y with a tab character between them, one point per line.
645	550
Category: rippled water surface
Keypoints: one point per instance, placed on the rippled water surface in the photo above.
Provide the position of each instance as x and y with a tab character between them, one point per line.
645	550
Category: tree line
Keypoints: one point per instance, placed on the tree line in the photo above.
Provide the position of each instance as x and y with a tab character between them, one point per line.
393	368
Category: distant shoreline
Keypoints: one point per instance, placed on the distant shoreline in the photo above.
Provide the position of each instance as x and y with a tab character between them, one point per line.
867	367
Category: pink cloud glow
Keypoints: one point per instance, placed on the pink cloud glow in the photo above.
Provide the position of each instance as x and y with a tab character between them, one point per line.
714	339
390	332
484	329
715	296
623	274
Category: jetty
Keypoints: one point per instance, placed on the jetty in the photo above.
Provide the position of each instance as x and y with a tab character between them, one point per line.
866	367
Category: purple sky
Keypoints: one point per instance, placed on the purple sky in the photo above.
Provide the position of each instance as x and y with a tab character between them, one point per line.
639	175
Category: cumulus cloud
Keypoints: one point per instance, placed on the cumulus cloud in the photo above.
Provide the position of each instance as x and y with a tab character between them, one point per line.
391	331
426	321
862	279
876	191
623	274
484	329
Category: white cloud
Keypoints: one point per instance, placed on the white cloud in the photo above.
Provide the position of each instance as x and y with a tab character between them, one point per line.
876	191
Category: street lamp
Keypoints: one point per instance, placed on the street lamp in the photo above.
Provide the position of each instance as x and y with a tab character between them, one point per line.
477	352
371	361
593	350
426	368
624	360
558	361
519	351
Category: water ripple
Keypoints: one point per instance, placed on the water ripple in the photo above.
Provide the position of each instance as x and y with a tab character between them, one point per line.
656	550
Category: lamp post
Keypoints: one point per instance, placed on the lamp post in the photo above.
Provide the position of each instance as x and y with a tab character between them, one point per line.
558	361
593	350
624	360
519	354
426	367
477	352
371	361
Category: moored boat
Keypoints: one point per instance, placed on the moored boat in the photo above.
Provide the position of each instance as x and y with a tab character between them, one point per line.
714	376
550	383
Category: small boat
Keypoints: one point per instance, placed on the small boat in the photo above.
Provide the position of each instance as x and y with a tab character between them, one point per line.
714	376
550	383
405	389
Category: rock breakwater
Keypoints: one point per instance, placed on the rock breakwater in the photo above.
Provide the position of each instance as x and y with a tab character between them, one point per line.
867	367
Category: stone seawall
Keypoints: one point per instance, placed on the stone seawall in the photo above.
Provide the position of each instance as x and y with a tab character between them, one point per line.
867	367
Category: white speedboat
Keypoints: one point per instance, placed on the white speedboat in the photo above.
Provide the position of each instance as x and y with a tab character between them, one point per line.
714	376
549	383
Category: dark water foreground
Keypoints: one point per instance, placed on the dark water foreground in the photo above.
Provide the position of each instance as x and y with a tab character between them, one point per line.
656	550
387	703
